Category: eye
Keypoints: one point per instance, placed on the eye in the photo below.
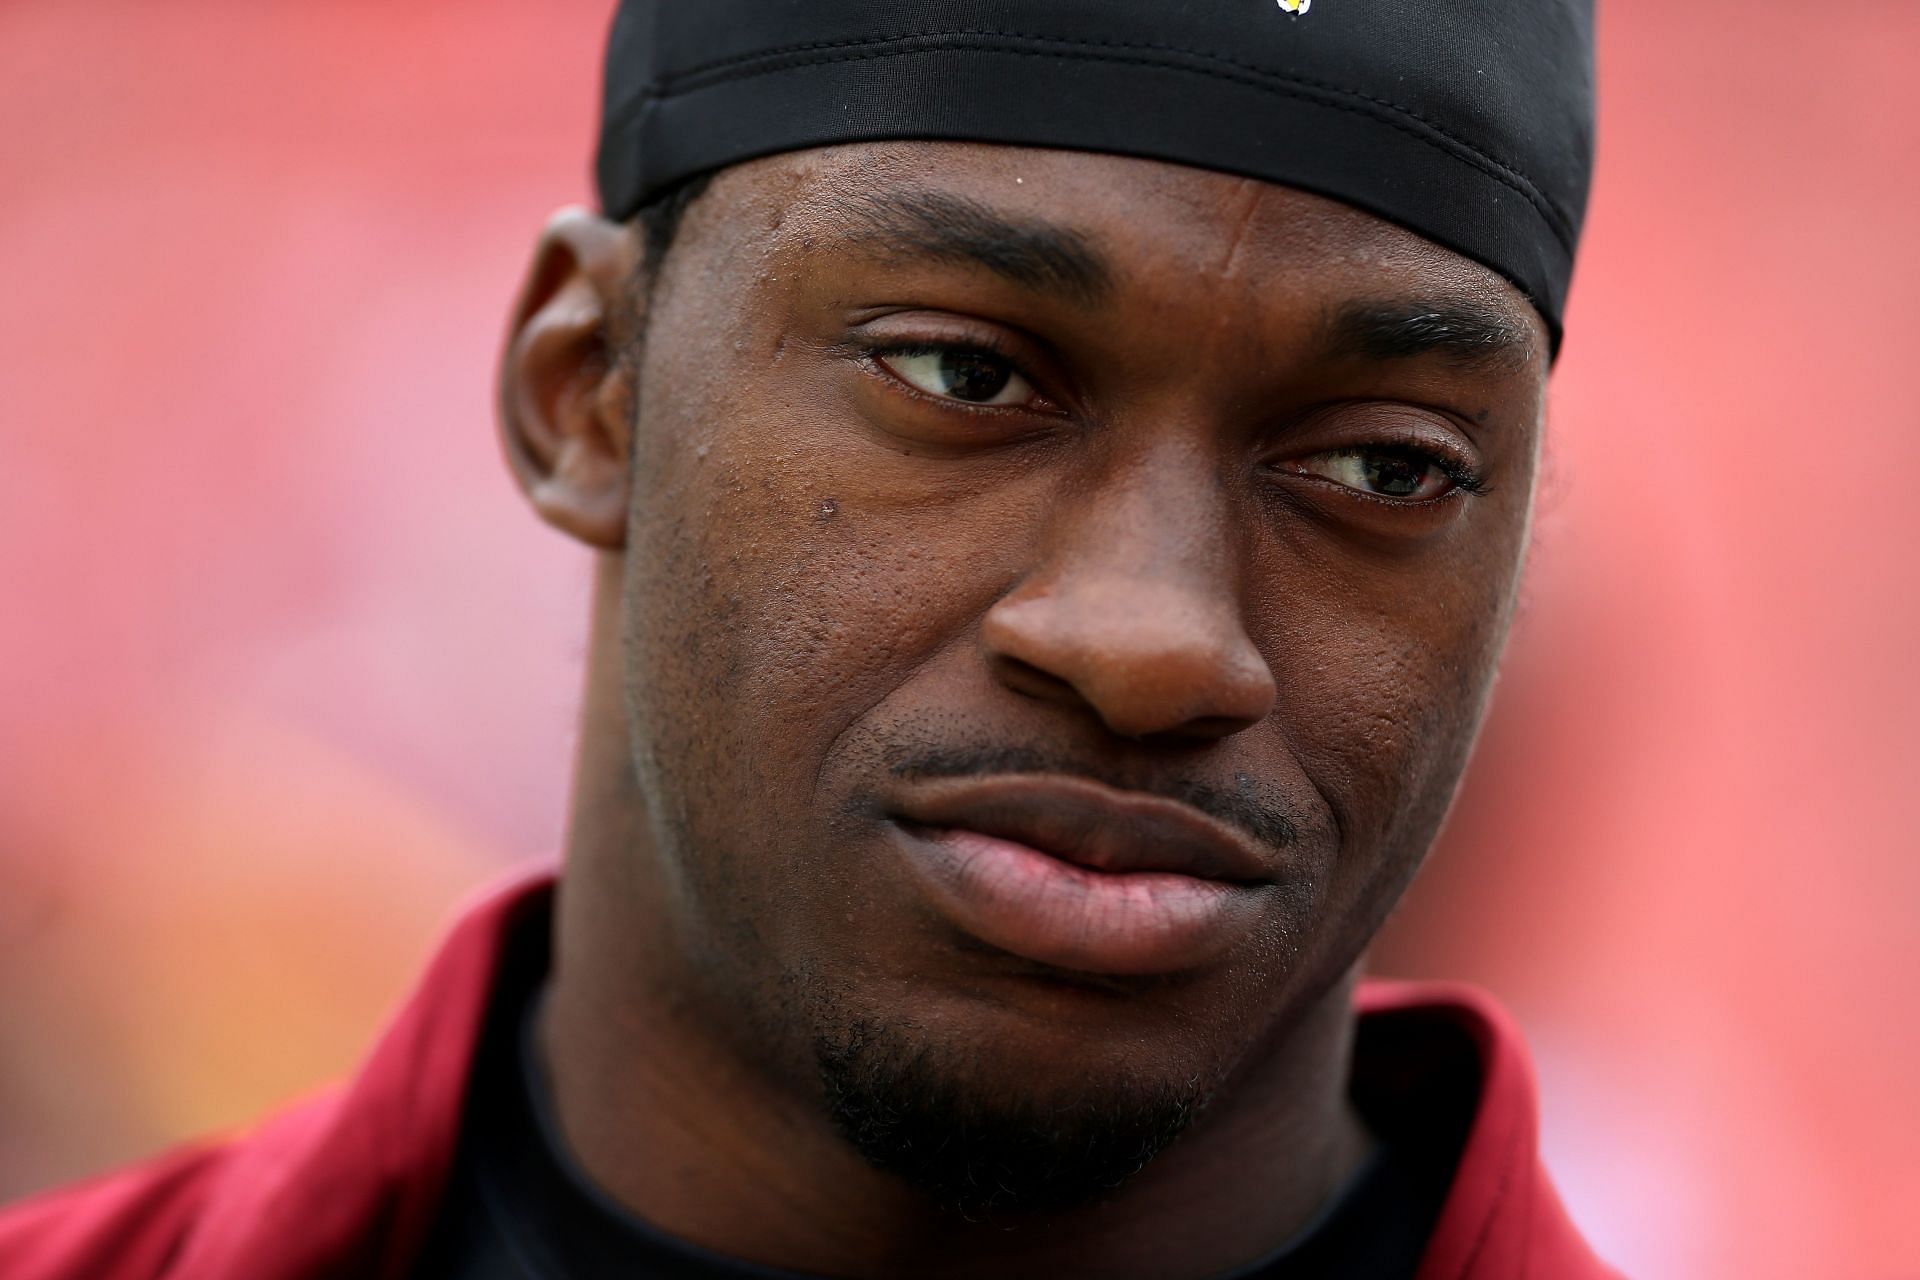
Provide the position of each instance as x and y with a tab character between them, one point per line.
966	374
1407	475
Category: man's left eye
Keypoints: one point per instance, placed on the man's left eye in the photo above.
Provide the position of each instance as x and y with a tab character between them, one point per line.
1387	473
959	373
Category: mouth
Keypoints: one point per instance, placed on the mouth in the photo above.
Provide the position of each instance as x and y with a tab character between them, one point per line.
1080	876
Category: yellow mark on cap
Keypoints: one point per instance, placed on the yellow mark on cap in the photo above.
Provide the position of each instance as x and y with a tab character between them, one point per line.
1296	6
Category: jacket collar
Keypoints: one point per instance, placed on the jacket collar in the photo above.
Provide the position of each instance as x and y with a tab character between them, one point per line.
350	1183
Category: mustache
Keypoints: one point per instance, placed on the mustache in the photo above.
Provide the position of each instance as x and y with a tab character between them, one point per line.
1254	808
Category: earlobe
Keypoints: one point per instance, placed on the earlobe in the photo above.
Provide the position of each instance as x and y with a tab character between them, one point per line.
565	394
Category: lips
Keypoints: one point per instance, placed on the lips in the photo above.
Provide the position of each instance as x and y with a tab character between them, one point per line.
1080	876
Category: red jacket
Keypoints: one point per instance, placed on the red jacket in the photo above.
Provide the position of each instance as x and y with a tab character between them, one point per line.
347	1184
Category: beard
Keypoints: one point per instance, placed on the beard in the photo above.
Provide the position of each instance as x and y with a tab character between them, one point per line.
929	1115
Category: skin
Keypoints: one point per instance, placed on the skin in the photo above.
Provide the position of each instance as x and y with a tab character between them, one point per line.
1152	576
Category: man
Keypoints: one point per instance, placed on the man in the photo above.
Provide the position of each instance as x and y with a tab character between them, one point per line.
1059	474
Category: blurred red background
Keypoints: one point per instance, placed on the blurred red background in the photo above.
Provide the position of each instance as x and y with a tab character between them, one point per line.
285	667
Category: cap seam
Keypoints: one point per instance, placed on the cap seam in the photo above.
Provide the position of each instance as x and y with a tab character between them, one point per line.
737	67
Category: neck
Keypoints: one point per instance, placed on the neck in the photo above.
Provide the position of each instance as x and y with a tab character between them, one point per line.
677	1127
694	1131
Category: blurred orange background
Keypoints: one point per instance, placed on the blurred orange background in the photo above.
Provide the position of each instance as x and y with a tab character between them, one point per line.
286	668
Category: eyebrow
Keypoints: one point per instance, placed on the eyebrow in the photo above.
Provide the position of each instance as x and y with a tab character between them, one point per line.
1460	331
1051	257
1043	256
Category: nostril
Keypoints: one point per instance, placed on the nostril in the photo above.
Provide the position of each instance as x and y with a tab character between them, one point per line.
1023	677
1146	662
1213	726
1195	693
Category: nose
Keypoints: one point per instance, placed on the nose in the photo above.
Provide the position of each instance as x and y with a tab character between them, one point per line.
1134	613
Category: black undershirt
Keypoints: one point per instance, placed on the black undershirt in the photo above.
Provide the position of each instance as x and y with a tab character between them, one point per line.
518	1207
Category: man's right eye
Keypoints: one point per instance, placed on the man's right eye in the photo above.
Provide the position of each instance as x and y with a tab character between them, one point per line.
968	375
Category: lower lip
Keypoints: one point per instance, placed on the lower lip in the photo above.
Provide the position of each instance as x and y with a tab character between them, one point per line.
1057	913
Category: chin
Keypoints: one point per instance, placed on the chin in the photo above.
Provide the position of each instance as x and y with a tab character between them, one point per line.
985	1130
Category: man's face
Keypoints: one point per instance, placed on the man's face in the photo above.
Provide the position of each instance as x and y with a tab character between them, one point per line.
1060	594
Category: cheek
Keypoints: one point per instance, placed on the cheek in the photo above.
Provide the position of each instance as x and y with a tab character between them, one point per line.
778	592
1384	672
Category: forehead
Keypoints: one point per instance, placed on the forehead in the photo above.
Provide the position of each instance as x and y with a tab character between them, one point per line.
1152	225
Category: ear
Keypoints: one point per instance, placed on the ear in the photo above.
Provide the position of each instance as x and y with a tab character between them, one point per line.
566	396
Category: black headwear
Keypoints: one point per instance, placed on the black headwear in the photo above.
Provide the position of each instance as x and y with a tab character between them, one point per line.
1467	121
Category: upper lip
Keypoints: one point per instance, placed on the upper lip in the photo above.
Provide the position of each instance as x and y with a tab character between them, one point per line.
1090	824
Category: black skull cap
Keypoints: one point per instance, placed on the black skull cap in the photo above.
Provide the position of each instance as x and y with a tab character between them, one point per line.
1469	122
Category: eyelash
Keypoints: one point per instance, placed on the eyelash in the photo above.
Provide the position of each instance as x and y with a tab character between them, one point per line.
972	347
1461	475
872	353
